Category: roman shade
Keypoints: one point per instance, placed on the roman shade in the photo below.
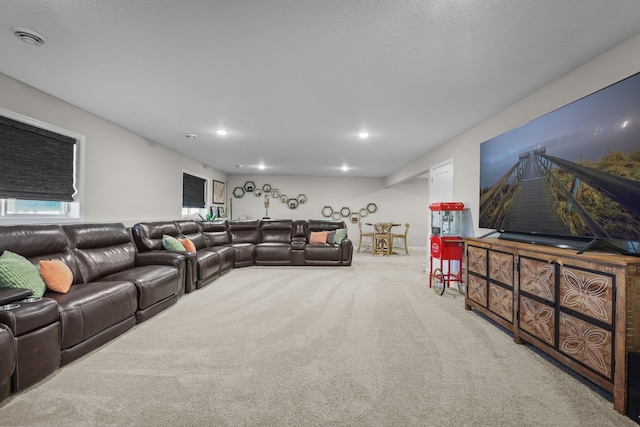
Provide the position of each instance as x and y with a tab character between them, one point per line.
192	191
35	164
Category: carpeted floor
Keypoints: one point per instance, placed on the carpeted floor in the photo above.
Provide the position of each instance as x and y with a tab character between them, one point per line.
366	345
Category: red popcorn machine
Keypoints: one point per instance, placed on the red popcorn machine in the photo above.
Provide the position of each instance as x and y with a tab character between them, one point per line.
446	246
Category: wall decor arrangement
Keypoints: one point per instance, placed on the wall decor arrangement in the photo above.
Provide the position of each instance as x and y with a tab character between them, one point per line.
218	191
345	212
238	192
268	190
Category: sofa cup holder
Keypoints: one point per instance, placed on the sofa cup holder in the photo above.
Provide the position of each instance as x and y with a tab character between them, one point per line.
9	306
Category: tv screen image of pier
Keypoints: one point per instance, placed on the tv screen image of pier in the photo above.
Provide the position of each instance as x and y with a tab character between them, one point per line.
572	172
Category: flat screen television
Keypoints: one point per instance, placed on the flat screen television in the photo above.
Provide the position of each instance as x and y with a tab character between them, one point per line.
572	175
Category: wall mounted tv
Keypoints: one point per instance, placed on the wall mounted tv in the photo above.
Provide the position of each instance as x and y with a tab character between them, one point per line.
570	176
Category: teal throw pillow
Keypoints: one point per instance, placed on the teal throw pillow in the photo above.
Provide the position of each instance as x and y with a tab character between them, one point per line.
171	243
341	234
17	272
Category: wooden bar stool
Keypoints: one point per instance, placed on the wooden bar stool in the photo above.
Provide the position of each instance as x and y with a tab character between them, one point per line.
403	237
368	235
382	239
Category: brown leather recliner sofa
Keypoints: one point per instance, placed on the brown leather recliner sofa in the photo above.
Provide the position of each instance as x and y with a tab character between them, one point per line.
222	245
122	277
113	288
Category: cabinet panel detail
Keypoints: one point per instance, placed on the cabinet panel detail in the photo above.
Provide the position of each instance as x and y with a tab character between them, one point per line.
587	292
501	302
477	289
477	260
586	343
501	267
538	320
538	278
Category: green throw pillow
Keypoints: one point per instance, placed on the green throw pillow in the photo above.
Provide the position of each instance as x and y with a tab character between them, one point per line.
341	234
17	272
171	243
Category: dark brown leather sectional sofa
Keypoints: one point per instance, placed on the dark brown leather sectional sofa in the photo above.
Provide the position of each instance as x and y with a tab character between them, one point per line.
122	277
224	245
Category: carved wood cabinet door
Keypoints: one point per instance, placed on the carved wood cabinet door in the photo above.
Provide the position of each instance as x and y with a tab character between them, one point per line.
586	321
477	277
501	284
537	299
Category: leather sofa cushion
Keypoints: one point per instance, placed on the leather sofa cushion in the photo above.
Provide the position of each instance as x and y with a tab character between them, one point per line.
244	232
215	232
322	252
276	231
101	249
273	252
90	308
226	254
154	282
244	254
208	264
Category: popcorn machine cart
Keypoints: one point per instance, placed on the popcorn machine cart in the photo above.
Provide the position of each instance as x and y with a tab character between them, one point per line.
446	246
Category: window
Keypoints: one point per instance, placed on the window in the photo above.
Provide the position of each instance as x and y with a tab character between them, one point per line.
193	195
39	171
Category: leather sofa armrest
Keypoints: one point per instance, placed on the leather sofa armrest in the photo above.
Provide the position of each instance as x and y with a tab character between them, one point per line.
298	242
175	259
9	295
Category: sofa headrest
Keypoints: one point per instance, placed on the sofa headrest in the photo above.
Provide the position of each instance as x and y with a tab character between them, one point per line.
148	235
33	240
187	227
89	236
322	225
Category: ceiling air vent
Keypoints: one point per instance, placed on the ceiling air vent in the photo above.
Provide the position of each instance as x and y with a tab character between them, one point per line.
28	36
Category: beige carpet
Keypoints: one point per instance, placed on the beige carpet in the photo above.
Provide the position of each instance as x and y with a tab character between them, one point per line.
367	345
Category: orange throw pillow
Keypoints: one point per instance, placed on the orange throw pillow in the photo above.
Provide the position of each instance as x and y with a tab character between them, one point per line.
188	244
318	237
56	275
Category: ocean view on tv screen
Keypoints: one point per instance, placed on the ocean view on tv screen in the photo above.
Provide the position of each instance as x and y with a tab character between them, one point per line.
574	172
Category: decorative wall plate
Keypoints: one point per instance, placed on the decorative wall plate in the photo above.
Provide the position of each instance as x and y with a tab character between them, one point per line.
266	188
293	203
302	199
327	211
336	215
371	207
284	198
345	212
363	212
275	193
257	192
238	192
249	186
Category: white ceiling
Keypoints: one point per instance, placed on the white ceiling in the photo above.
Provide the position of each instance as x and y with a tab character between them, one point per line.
294	81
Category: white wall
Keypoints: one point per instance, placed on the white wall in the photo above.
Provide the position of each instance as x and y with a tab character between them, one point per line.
401	203
131	179
608	68
127	178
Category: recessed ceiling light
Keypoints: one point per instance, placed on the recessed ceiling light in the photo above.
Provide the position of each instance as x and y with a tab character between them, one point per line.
28	36
363	135
222	132
344	168
191	136
261	166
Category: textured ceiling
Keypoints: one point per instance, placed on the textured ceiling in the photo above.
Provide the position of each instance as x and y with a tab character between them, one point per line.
295	80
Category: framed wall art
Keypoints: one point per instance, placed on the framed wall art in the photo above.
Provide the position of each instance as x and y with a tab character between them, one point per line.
221	213
218	191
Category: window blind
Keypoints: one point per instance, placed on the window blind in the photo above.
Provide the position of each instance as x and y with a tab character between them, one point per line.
192	191
35	164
